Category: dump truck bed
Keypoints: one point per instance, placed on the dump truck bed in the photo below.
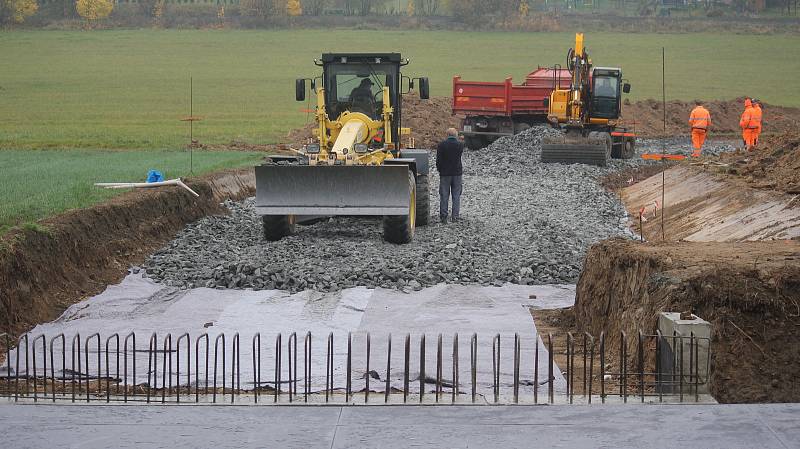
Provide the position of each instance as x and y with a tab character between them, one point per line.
506	99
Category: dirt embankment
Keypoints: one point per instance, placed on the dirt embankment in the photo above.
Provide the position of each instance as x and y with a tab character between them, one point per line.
77	254
647	117
750	292
429	119
775	164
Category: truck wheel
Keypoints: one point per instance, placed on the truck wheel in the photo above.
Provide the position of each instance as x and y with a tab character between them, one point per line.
473	142
423	200
520	127
277	226
400	228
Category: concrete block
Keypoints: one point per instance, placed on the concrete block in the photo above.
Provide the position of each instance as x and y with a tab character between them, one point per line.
685	353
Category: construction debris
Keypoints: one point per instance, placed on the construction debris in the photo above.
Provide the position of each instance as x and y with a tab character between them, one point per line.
144	185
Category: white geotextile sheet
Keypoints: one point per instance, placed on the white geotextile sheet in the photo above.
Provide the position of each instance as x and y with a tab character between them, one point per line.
141	305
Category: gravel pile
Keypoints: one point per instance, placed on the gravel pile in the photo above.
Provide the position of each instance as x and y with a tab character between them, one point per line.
523	222
683	145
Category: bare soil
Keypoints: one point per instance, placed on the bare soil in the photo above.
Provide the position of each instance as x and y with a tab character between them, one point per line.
76	254
627	177
429	119
293	139
750	292
774	165
647	117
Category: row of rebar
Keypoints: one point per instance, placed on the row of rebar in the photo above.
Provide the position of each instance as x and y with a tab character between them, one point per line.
637	378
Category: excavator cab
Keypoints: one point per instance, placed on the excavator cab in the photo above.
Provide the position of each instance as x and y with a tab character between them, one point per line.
605	97
587	114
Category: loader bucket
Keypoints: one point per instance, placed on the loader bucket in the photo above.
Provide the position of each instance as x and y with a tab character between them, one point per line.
322	190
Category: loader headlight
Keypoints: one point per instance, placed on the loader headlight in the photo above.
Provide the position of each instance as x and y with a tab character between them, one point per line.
360	148
312	148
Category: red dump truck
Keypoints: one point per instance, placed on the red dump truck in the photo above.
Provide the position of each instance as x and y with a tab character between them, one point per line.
491	110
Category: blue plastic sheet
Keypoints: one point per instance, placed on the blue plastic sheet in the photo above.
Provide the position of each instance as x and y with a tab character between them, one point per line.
154	176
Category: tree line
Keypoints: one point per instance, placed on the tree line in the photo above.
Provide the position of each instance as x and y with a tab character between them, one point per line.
465	11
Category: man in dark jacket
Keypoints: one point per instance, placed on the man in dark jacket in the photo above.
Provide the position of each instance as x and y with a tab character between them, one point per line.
448	164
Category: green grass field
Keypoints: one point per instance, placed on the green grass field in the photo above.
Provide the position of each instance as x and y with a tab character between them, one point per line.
105	90
128	89
37	184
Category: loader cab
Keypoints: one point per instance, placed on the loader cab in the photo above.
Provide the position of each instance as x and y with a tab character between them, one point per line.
355	82
606	93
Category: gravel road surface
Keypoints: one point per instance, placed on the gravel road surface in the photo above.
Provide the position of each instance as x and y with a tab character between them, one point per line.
523	222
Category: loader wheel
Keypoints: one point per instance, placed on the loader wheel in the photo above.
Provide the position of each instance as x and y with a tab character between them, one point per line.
277	226
423	200
400	228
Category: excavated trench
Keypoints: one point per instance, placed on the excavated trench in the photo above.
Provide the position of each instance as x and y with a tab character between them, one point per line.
731	256
79	253
750	291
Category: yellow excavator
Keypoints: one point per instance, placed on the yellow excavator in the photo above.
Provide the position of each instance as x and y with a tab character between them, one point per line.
355	165
588	114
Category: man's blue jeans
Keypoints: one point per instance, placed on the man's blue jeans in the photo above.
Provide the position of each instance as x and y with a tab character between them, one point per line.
449	185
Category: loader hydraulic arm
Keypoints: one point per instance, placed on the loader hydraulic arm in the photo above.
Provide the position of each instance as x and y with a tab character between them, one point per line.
337	138
388	111
322	122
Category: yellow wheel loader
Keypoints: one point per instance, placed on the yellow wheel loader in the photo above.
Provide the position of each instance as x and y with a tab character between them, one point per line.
355	165
587	113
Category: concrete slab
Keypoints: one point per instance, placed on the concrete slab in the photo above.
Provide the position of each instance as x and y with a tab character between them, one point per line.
629	426
703	208
141	305
165	427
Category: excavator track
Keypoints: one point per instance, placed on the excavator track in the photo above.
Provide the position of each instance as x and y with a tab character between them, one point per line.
594	149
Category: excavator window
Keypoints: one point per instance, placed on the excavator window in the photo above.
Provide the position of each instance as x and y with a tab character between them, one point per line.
605	96
606	86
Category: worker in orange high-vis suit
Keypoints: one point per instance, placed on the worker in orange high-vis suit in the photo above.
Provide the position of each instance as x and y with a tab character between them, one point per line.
744	123
699	122
756	116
